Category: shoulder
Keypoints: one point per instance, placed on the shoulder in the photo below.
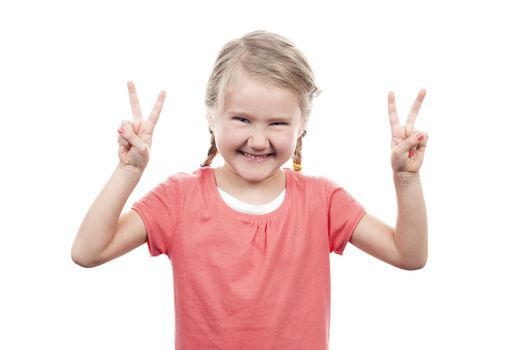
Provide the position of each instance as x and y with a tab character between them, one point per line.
318	188
311	183
179	184
195	178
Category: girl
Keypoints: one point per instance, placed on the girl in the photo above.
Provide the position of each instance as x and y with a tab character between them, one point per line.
249	241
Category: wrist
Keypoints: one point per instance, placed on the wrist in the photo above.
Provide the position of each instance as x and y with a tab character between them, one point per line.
129	171
406	178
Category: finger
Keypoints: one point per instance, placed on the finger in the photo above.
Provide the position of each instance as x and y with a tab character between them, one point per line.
132	138
157	108
412	144
392	110
121	140
127	133
126	124
422	137
411	119
419	149
125	129
135	105
410	131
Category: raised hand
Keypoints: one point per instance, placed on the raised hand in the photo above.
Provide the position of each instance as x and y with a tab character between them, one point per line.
135	137
408	144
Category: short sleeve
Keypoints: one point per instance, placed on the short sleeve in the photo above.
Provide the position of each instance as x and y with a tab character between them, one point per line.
159	211
343	216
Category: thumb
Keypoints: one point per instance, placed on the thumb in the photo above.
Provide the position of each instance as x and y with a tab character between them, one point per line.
412	143
127	133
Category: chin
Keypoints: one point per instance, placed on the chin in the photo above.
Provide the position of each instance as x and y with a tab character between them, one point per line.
256	172
257	175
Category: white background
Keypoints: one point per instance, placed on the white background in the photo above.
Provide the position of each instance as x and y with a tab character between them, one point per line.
63	72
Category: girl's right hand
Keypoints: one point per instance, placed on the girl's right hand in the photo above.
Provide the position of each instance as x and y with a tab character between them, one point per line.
135	137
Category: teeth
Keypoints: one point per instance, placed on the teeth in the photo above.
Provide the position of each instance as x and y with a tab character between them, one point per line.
254	156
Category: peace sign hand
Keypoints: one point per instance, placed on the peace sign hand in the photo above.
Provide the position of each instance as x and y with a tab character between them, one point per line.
408	144
135	138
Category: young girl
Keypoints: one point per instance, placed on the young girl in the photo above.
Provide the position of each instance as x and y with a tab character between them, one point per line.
249	241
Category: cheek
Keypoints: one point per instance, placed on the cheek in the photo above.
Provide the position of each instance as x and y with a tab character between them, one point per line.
226	139
285	142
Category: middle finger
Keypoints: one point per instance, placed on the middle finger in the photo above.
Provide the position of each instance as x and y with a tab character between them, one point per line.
411	119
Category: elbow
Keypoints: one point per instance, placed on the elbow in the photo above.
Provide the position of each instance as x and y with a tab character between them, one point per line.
414	267
82	263
81	259
415	263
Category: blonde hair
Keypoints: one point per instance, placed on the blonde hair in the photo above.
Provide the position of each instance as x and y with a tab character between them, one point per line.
267	57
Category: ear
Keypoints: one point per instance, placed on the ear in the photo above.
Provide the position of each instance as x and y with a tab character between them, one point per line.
301	134
302	124
302	129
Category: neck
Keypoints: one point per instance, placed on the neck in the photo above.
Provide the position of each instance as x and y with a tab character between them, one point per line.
260	192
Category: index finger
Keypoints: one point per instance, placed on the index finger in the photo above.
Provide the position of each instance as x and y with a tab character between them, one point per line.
157	108
392	110
135	105
411	119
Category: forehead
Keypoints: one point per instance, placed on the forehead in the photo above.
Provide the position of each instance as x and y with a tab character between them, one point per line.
259	98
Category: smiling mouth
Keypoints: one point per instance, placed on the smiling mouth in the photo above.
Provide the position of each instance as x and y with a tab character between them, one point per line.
256	157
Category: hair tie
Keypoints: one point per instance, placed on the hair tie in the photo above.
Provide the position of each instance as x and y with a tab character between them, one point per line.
297	167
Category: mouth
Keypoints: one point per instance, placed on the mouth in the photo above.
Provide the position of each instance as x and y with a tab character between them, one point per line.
257	157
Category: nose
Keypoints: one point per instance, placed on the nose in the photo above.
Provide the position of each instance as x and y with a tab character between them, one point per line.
258	140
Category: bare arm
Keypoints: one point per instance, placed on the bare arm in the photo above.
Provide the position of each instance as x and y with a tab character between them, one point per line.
406	246
104	233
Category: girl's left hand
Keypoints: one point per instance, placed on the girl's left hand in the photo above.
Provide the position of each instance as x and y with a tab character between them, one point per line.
408	144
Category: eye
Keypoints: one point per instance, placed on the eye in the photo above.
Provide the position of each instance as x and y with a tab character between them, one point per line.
279	123
240	119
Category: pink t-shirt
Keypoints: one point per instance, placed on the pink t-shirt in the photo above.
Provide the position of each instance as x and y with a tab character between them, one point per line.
244	281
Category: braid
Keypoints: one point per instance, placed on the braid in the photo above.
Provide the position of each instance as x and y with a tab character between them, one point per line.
212	152
298	154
